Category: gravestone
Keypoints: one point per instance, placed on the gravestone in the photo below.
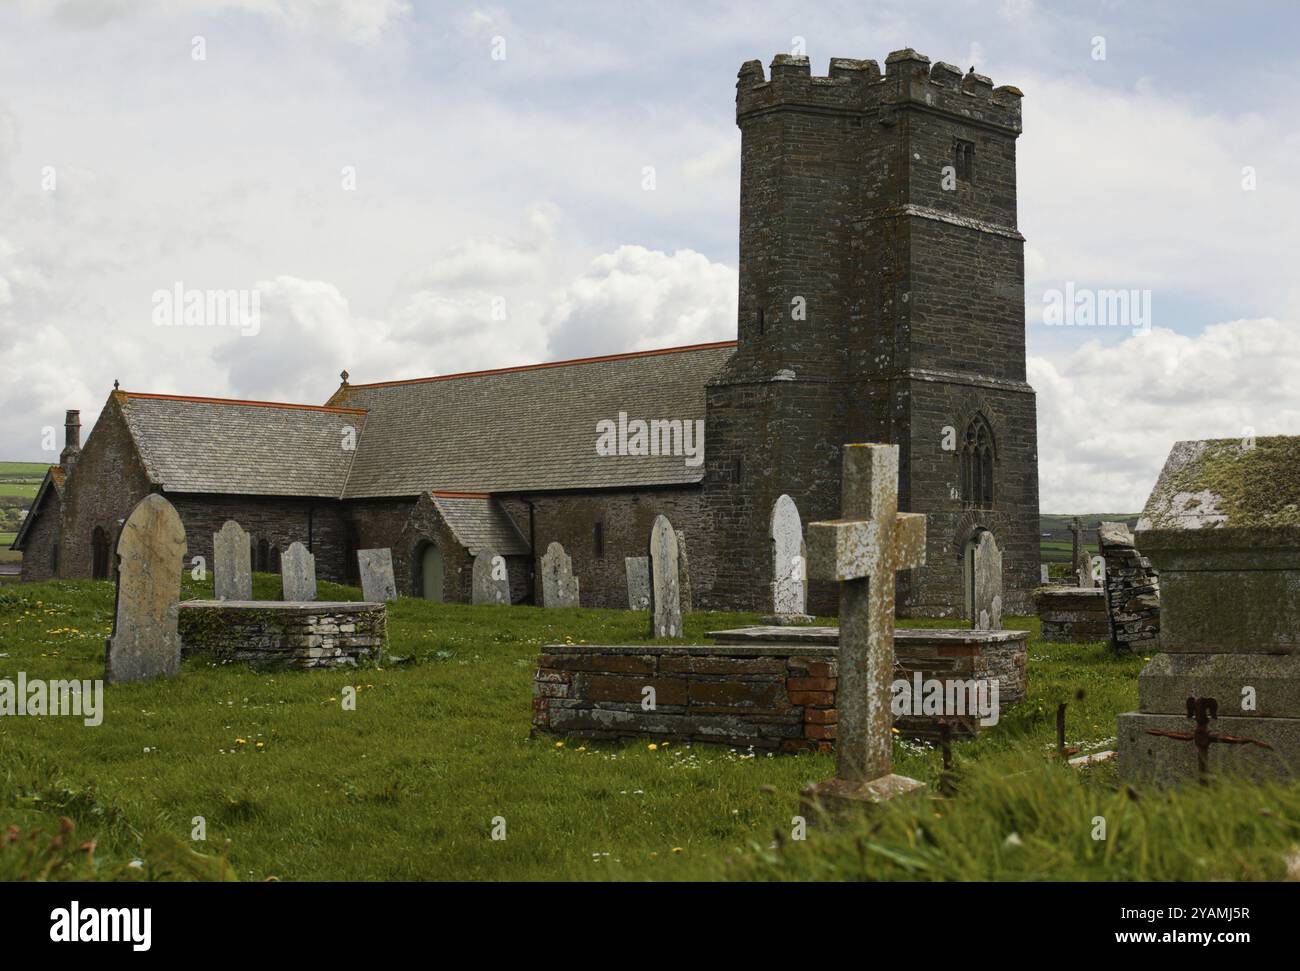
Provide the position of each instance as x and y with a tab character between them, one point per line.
683	573
232	570
862	552
665	592
789	588
150	557
491	580
1132	589
377	583
986	610
1082	562
559	585
638	582
1043	575
1222	529
297	574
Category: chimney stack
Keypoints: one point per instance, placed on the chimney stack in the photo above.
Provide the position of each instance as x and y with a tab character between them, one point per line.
72	440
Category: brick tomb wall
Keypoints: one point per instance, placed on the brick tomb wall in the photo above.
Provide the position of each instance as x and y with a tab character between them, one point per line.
1072	614
296	635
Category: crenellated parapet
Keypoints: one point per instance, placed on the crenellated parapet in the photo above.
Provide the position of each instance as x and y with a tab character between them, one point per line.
858	86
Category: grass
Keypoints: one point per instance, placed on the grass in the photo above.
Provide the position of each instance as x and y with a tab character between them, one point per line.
25	490
409	784
23	470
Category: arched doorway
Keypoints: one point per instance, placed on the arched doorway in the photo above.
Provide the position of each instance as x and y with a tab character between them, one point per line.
429	572
99	553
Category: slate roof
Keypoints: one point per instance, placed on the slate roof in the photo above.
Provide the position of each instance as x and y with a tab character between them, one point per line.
528	428
253	448
479	523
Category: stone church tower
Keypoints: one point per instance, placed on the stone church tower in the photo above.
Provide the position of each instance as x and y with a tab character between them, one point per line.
881	300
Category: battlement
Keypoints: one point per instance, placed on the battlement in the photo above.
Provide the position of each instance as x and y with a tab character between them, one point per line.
859	87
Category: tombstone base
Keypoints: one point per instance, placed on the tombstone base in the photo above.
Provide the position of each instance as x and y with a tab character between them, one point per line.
789	620
1168	761
838	800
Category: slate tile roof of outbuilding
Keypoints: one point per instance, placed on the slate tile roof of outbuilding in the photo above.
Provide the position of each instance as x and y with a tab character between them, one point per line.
529	428
480	524
242	447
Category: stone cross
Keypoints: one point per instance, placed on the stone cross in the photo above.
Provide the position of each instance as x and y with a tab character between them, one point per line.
491	579
665	590
790	579
862	552
377	583
232	569
986	612
559	585
297	574
638	582
150	555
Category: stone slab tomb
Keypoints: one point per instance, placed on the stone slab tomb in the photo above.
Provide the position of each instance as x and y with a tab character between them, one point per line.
559	585
297	575
232	565
490	579
377	583
150	556
1072	615
1222	529
320	634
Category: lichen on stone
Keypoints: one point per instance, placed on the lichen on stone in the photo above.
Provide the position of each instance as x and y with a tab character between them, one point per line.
1228	483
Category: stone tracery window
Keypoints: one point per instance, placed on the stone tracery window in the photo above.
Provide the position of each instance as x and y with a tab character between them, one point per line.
977	455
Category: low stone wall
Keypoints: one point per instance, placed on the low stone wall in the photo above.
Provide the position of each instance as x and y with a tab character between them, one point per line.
318	634
774	691
1132	589
1072	614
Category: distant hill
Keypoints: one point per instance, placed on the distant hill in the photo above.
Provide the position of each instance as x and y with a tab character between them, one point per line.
18	484
1056	542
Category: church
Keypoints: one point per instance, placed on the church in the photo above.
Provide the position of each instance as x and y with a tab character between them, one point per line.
881	300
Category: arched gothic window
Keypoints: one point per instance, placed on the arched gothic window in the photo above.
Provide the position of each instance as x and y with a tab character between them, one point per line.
977	454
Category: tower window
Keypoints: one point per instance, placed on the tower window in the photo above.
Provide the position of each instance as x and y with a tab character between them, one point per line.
977	455
598	538
963	159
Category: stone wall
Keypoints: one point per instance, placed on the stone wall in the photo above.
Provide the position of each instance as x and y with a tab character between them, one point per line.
297	635
40	546
1132	589
1072	614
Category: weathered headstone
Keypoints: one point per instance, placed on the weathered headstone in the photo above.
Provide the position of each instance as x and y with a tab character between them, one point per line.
491	579
232	570
1043	575
638	582
862	552
559	585
297	574
683	573
1132	589
1082	562
986	613
1222	529
377	583
665	592
150	556
789	588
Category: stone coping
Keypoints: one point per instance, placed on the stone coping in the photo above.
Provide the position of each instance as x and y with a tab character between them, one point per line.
902	635
1070	592
1226	538
764	649
287	606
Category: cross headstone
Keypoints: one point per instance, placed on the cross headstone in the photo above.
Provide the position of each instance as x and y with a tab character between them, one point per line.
665	592
638	582
986	613
862	552
491	579
789	589
232	569
559	585
150	556
297	574
377	583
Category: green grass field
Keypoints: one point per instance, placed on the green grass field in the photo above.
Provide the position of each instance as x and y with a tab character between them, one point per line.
23	470
408	785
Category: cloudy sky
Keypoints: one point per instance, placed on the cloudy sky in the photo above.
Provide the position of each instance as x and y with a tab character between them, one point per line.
418	188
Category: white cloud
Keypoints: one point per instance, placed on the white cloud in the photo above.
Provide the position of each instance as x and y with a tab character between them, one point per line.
1107	416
